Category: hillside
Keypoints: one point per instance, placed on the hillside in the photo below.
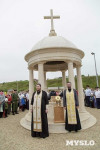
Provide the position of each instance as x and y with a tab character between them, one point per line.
57	82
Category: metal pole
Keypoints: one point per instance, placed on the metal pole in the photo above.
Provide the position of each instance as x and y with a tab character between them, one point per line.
96	71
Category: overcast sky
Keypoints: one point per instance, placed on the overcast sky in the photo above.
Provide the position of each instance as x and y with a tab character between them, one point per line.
22	26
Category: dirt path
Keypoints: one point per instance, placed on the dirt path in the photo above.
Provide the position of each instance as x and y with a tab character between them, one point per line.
14	137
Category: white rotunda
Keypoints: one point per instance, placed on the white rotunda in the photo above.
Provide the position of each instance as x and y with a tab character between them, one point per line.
45	56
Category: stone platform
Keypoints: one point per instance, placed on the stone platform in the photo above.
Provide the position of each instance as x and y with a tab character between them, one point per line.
87	120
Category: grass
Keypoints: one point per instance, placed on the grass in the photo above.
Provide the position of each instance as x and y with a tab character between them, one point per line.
24	85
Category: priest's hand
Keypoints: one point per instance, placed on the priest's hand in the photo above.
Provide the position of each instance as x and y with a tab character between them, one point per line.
46	111
65	108
77	107
31	110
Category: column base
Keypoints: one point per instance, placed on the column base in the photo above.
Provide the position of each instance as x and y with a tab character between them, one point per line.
26	121
87	121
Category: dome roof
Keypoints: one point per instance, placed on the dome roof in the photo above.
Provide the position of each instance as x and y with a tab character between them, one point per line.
53	41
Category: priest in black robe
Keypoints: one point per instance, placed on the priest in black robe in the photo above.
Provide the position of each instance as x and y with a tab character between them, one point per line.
71	104
39	121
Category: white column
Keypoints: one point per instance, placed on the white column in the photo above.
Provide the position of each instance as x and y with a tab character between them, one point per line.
71	74
41	75
64	79
80	90
31	85
45	81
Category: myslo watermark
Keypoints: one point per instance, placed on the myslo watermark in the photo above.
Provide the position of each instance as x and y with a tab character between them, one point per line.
80	143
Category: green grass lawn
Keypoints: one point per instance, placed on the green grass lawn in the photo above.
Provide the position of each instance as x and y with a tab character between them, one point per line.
24	85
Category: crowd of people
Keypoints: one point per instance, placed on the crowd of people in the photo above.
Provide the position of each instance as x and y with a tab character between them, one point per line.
12	102
92	97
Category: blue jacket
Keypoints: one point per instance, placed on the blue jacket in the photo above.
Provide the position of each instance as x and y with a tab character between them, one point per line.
23	101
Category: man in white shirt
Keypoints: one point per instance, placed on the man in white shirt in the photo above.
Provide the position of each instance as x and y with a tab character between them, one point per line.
97	96
87	96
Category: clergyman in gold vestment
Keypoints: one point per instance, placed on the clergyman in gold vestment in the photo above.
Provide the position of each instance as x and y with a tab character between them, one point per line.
71	104
39	121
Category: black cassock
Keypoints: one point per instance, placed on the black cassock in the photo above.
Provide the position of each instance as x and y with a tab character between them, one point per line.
72	127
44	102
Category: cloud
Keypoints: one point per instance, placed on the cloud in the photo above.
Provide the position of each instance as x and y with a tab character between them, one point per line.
22	26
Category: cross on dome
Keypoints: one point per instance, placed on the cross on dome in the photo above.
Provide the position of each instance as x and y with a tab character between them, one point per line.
52	31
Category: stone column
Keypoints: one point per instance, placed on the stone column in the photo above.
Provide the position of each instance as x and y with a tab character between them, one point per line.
45	81
64	79
31	85
41	75
71	74
80	90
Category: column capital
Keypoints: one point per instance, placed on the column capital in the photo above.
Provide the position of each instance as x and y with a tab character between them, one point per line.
30	69
63	70
79	65
69	61
42	62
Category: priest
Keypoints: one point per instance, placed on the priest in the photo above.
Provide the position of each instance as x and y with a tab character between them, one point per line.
71	104
39	122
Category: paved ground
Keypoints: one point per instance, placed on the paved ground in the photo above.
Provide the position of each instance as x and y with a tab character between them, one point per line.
15	137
